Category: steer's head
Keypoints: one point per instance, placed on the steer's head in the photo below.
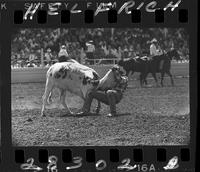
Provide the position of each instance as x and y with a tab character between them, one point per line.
118	71
110	78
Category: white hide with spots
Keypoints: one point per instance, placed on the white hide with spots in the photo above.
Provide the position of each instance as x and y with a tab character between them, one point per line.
69	76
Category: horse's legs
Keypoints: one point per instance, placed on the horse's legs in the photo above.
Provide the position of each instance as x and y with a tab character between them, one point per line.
145	73
141	80
130	73
145	81
170	75
62	100
155	78
162	77
98	107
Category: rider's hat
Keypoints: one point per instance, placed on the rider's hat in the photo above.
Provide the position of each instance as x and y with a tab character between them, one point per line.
154	40
63	47
90	42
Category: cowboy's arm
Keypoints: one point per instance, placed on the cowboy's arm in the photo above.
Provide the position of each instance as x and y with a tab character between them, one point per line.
121	87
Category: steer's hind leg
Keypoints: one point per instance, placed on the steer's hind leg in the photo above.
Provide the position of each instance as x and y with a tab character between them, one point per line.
62	99
49	100
155	78
48	89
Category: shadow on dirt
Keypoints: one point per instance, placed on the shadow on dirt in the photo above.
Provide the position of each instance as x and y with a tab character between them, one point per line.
93	114
123	114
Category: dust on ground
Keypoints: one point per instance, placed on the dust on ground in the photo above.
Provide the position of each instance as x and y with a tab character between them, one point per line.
146	116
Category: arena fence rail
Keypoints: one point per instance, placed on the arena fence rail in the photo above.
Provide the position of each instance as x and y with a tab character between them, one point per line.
38	74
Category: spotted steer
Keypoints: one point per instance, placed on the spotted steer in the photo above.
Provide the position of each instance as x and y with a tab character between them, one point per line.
69	76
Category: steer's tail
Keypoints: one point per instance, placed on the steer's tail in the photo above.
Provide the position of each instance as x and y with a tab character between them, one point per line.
48	88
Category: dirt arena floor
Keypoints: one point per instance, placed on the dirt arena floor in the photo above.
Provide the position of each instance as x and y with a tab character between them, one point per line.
146	116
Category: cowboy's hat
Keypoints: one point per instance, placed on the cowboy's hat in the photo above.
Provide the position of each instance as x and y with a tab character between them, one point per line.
154	40
63	46
89	42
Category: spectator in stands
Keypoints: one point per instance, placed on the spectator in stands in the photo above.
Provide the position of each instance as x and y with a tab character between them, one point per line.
48	57
114	52
125	52
104	48
31	64
130	52
109	52
90	51
30	41
82	56
63	55
120	56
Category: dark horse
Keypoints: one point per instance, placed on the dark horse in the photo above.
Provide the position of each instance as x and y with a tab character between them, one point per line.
156	64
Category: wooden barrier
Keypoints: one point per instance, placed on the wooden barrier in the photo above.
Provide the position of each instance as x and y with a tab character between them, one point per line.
24	75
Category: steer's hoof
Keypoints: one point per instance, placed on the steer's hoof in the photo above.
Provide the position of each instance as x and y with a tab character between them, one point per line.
72	113
43	115
69	113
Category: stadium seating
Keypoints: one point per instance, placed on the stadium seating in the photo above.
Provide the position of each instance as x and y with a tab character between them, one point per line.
29	45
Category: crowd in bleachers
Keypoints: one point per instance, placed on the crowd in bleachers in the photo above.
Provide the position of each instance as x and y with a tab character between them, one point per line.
29	45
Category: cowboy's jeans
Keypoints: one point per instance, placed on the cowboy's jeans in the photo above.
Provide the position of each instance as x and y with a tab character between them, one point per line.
110	97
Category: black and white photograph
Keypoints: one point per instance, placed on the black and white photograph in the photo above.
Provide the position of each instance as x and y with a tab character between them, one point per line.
0	98
100	86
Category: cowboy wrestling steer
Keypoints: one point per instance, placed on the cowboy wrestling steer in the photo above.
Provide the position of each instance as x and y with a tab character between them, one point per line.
69	76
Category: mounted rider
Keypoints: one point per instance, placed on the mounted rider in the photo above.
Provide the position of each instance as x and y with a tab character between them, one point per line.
155	49
63	55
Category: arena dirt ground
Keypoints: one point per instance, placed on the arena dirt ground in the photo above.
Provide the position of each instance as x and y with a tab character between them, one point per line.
146	116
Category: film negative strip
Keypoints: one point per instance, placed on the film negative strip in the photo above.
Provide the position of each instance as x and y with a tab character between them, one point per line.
98	85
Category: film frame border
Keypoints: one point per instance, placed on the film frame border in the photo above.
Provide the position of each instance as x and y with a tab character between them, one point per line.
6	81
